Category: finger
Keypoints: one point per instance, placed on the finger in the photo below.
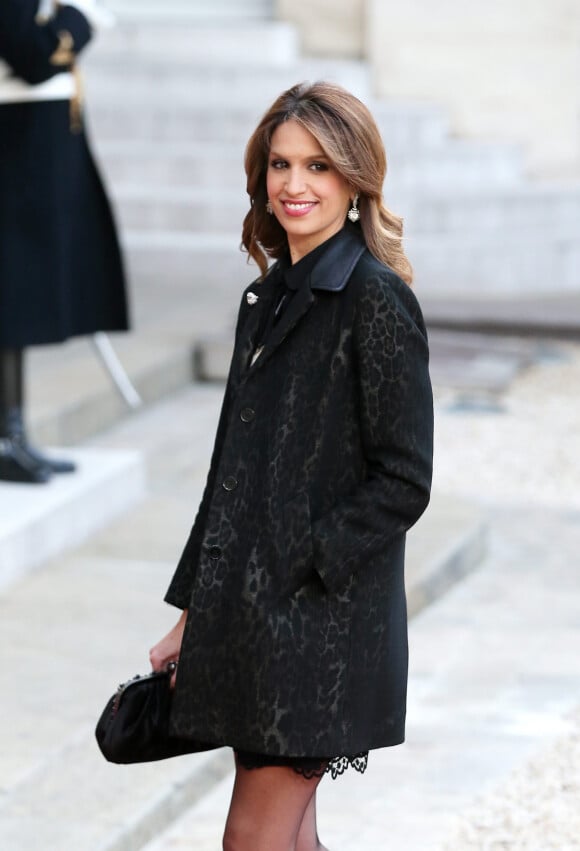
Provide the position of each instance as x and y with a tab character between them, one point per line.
172	668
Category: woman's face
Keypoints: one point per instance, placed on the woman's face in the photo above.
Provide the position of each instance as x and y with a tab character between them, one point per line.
309	197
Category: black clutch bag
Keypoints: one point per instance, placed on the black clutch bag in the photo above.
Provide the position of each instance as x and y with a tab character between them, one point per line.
134	725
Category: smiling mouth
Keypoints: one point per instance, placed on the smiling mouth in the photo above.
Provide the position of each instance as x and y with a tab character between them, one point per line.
298	206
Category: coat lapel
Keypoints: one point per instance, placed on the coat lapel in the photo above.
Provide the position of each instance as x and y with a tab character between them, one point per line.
254	321
299	305
331	273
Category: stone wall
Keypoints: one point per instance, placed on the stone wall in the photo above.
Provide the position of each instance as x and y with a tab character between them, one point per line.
327	27
506	70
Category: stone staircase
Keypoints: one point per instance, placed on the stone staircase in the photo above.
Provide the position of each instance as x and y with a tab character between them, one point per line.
173	102
172	107
172	99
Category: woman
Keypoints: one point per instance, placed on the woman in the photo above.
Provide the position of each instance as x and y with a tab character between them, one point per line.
61	273
292	643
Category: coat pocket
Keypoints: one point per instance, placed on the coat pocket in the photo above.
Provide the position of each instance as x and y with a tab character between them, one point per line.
297	557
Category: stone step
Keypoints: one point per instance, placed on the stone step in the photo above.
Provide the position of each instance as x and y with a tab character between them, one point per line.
554	315
403	125
410	123
527	206
149	83
208	267
181	209
71	397
224	113
468	165
456	165
190	10
476	367
496	265
520	209
205	44
112	121
39	522
472	263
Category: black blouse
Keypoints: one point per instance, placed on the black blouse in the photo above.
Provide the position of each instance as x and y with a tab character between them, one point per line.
289	277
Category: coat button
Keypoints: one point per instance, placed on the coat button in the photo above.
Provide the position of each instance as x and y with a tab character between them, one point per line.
247	415
215	552
230	483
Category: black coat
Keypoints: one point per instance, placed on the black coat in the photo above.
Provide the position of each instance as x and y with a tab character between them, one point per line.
61	272
296	637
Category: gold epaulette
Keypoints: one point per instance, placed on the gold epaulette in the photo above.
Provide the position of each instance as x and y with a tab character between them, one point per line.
76	103
64	53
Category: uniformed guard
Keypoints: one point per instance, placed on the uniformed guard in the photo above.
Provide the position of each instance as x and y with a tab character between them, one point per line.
61	271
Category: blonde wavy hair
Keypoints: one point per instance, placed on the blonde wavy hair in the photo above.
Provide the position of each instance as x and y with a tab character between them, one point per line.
349	136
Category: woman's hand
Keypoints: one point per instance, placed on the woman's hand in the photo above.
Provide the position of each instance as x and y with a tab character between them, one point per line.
167	650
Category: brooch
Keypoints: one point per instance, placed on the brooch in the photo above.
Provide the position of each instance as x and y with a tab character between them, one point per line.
251	298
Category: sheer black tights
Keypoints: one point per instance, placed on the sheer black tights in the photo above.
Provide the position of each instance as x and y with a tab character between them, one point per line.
273	809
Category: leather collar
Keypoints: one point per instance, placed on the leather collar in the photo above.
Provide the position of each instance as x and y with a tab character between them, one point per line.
333	270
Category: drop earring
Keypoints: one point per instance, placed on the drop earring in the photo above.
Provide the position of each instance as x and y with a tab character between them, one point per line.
269	208
354	213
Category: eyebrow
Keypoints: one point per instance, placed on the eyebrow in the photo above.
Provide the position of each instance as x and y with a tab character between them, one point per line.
320	156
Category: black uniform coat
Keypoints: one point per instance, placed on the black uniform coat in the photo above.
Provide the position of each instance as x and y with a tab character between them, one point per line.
296	636
60	266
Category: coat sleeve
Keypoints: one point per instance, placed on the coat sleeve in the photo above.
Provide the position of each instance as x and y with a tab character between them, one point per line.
34	50
396	421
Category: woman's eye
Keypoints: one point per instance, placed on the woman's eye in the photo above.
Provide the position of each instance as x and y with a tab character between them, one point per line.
278	164
319	167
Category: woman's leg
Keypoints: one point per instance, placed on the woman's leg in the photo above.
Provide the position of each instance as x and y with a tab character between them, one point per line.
270	811
308	833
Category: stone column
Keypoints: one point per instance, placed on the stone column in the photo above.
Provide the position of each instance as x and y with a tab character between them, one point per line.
505	69
327	27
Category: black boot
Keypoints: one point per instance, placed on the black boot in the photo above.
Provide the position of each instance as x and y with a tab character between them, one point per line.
17	434
17	466
19	462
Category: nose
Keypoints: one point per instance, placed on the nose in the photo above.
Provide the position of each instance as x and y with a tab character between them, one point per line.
295	183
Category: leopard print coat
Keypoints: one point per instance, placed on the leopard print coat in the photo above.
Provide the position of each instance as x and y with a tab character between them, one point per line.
296	636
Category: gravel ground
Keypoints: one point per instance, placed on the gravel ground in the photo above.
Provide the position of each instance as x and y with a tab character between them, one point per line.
536	810
524	451
526	448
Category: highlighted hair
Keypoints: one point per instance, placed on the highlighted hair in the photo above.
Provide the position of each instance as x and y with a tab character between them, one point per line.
349	136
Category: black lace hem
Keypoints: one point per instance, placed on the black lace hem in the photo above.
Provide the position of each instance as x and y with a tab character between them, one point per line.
307	767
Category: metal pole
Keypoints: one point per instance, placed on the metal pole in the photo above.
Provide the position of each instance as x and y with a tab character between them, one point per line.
116	370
